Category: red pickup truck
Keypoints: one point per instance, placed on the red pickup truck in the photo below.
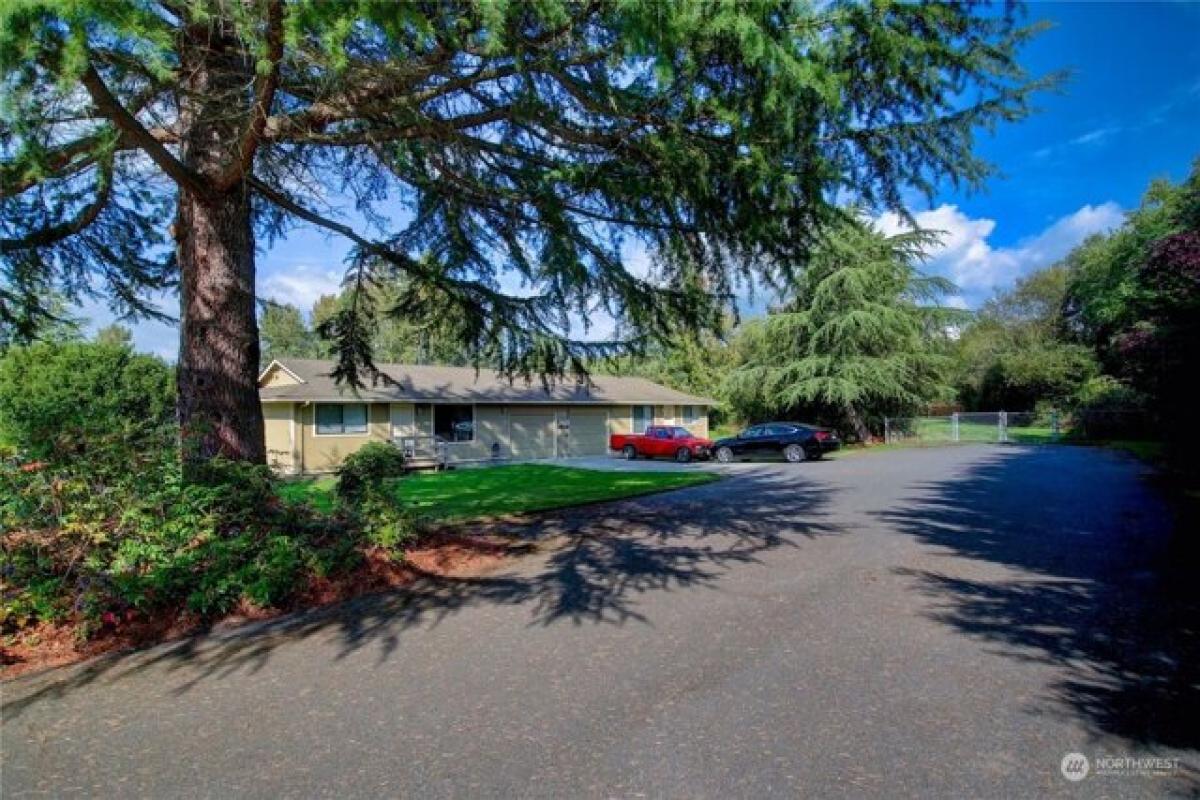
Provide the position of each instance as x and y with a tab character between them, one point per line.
661	440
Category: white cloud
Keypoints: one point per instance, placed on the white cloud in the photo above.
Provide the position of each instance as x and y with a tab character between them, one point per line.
957	301
636	258
300	285
1095	136
966	257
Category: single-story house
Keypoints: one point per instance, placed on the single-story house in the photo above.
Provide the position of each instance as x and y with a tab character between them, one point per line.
312	423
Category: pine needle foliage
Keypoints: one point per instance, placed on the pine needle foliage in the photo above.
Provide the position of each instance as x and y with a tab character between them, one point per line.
860	335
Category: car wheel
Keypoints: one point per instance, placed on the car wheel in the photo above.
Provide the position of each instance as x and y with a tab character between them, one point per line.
683	455
724	455
794	453
630	452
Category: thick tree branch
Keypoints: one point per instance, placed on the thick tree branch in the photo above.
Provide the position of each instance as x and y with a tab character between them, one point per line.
265	86
295	209
404	262
44	237
71	159
63	162
111	108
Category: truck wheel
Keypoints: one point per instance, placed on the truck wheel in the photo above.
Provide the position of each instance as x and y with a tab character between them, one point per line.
683	455
724	455
630	452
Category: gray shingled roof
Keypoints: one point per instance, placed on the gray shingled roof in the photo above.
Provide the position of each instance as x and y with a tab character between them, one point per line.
465	384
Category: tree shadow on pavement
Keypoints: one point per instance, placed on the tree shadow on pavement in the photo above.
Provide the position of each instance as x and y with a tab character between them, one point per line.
600	560
1070	563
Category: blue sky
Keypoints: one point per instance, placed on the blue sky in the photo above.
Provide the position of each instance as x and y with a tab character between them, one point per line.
1129	113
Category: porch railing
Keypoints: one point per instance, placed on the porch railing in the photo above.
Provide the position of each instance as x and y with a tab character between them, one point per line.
432	449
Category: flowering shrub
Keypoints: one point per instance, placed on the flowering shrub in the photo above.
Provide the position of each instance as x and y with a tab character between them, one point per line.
98	525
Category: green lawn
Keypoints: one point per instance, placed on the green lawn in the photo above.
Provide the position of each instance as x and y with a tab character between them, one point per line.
514	489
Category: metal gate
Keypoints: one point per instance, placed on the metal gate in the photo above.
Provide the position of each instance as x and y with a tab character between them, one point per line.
999	427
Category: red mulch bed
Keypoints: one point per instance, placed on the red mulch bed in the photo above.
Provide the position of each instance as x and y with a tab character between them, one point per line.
445	555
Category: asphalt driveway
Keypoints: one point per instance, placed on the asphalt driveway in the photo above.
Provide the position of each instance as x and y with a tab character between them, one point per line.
940	622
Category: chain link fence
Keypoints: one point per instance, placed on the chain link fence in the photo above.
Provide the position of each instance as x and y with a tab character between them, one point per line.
1020	427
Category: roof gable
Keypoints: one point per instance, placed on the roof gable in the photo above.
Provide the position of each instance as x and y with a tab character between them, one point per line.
276	374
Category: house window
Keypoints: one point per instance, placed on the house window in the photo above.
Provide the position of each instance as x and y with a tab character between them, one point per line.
690	417
454	423
341	418
642	417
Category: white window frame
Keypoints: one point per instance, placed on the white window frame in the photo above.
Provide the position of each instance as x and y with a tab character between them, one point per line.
633	418
366	431
691	415
474	422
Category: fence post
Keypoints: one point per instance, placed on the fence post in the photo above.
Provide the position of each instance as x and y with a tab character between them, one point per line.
887	431
954	426
1003	426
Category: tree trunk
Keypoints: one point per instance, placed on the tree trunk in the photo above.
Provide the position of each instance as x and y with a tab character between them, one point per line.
861	431
219	411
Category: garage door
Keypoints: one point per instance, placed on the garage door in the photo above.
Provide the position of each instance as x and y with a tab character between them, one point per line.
531	433
589	432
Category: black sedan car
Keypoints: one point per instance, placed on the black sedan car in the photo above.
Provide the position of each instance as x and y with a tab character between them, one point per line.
793	441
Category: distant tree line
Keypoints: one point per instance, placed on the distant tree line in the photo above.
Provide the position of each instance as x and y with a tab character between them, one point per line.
286	330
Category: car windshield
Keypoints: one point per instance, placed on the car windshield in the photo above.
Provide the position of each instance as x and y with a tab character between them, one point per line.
680	433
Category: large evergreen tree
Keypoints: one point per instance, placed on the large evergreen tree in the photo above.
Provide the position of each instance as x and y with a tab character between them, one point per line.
284	332
151	143
859	335
394	338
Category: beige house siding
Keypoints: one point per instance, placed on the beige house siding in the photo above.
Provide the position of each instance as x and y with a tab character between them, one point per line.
292	440
620	419
700	426
324	452
279	429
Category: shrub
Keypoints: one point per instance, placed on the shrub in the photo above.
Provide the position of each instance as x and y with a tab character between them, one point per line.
1105	408
117	531
364	486
367	469
57	398
385	521
98	524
